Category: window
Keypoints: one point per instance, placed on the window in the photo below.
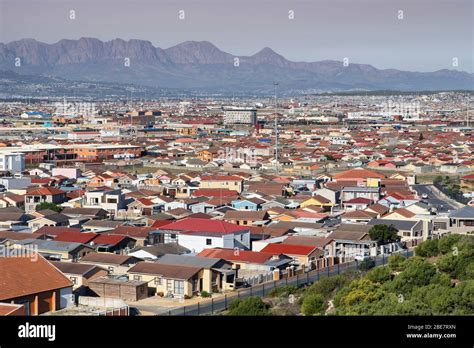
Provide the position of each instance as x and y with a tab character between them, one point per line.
137	277
208	241
158	281
179	287
74	280
169	284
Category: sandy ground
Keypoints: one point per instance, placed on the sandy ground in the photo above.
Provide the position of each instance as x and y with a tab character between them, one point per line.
161	305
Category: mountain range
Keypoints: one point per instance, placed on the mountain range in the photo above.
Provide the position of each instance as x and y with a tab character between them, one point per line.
194	65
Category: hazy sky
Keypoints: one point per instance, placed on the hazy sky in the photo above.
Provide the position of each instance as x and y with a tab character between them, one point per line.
430	35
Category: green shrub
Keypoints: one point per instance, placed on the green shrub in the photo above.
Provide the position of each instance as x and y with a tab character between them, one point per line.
428	248
326	286
445	244
396	262
205	294
379	275
252	306
313	304
283	291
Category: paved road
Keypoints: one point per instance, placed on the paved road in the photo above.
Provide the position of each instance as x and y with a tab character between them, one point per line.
434	199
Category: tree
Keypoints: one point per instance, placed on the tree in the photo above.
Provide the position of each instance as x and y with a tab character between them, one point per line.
428	248
446	244
396	262
326	286
313	304
418	272
50	206
379	275
384	234
252	306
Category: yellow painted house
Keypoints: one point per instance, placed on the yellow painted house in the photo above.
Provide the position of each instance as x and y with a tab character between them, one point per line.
318	201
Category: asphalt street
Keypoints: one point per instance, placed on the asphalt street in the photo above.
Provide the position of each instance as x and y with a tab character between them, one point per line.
434	199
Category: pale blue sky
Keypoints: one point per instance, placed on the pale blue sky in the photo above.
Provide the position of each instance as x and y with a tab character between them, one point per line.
431	34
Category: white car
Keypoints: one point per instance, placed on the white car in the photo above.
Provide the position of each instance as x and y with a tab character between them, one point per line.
361	257
424	196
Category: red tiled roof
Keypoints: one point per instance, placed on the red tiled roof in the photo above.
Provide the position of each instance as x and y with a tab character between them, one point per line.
133	231
76	237
145	201
44	191
468	177
358	200
288	249
56	230
22	276
109	239
358	173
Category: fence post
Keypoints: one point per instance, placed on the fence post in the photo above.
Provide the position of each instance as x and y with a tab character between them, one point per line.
297	278
198	308
327	267
383	259
251	290
225	301
338	269
318	272
184	310
212	306
263	290
169	312
238	294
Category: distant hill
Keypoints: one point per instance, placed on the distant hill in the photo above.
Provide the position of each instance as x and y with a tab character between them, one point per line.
202	66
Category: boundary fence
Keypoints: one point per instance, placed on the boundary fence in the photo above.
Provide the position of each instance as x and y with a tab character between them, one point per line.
222	303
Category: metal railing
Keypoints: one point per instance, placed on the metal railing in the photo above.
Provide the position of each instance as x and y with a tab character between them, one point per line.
222	303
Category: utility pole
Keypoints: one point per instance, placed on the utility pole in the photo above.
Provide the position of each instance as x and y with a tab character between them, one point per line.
467	110
276	128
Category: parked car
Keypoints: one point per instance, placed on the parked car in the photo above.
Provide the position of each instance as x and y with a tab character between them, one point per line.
362	257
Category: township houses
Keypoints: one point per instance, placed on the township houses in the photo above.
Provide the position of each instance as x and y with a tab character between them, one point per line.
246	218
113	263
35	284
362	177
80	274
180	276
302	255
35	196
249	260
55	250
350	241
197	234
182	222
228	182
107	199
